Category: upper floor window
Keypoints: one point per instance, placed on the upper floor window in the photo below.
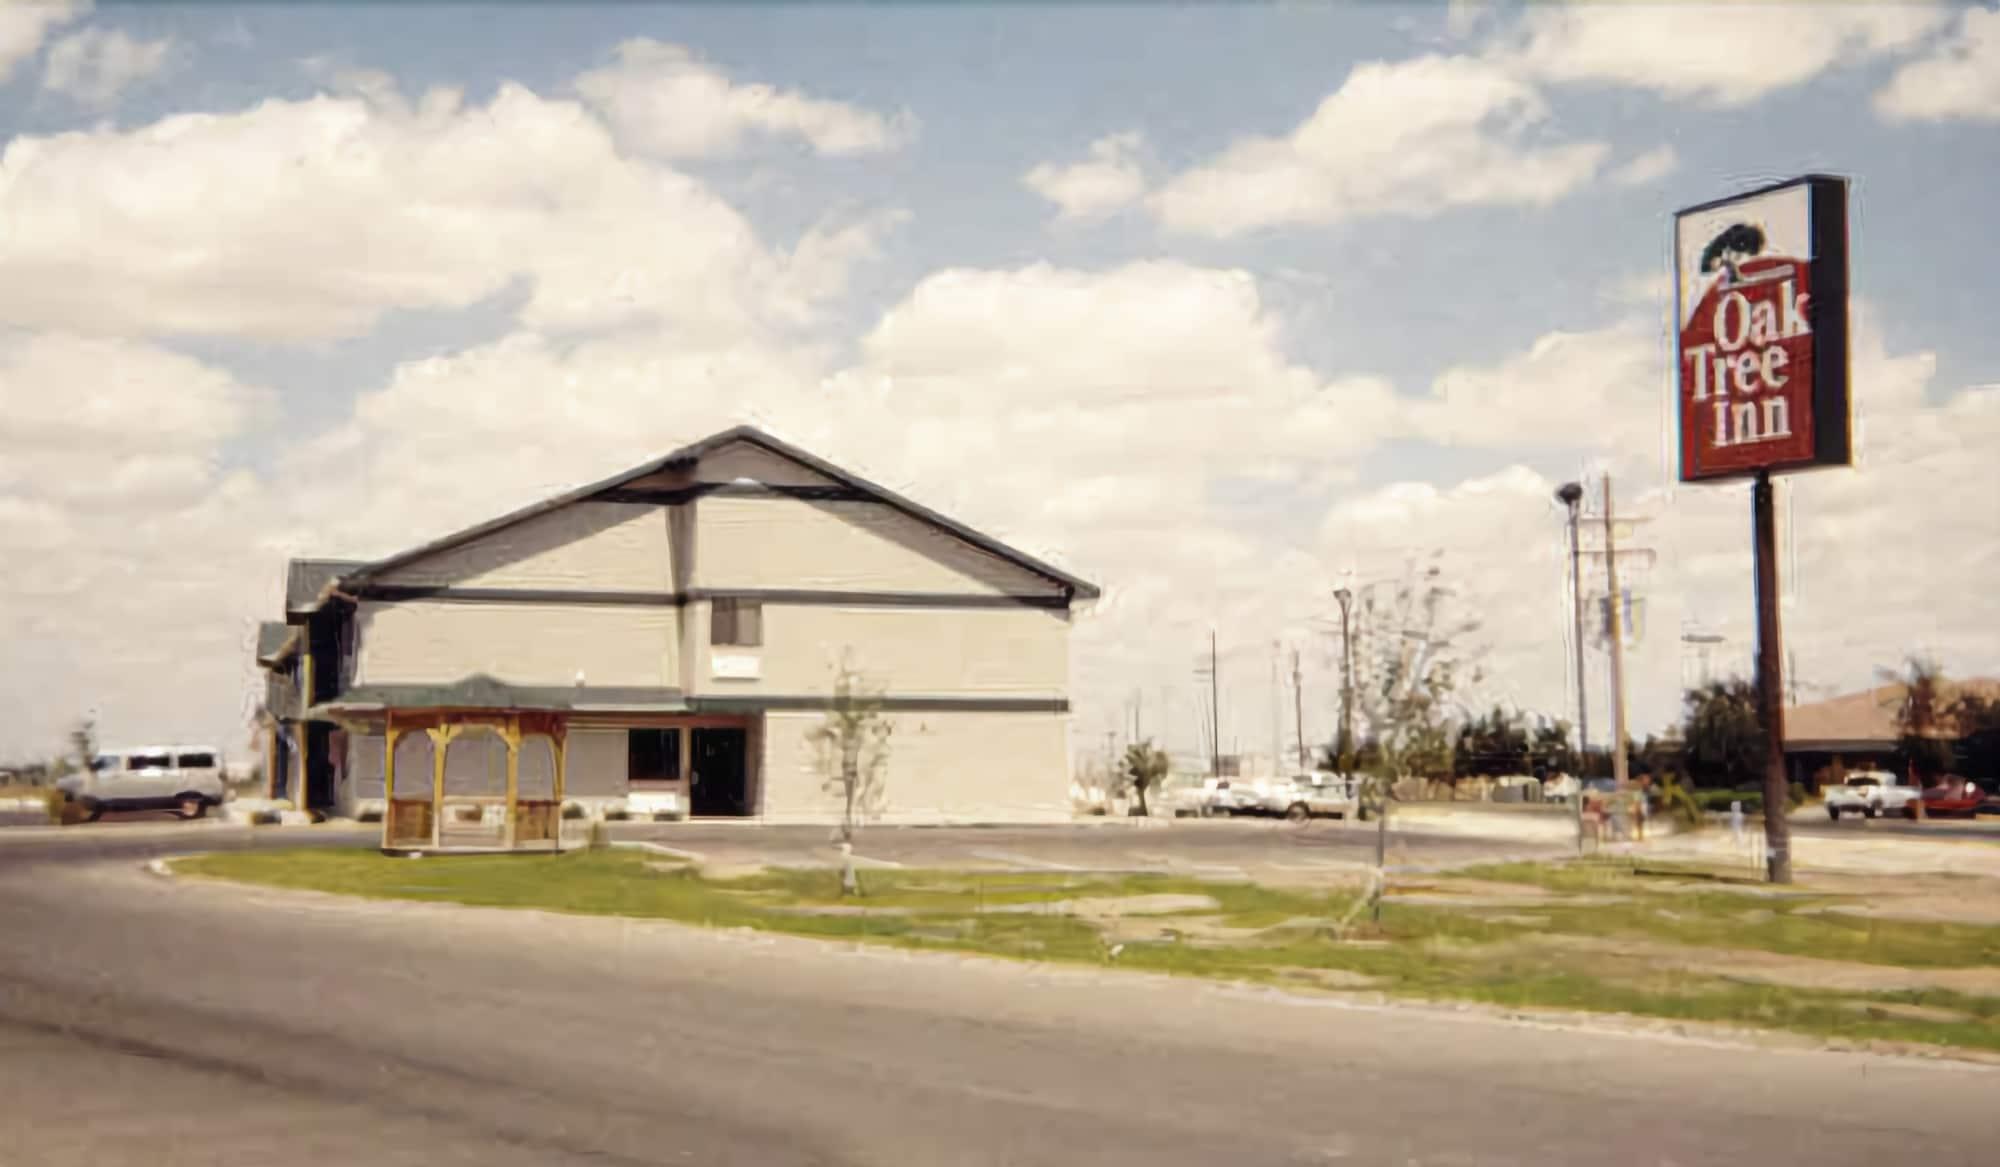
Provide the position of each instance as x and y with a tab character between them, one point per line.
736	623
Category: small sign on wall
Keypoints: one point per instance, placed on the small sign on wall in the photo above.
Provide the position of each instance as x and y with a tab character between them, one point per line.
736	666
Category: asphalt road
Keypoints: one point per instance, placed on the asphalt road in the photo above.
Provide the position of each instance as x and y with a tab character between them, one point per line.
147	1021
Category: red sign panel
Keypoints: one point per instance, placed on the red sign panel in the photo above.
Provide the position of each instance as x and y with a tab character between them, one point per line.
1763	331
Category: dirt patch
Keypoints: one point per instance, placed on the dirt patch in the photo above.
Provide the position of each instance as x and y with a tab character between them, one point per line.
1907	1012
837	910
1328	978
1772	968
1110	907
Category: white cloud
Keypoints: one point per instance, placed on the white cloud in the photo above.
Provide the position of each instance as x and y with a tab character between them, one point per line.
1408	138
1849	536
1718	54
666	102
1958	78
1600	389
1110	179
1651	166
132	565
94	66
24	24
202	223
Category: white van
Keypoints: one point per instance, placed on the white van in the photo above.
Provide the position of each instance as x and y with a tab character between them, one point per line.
184	778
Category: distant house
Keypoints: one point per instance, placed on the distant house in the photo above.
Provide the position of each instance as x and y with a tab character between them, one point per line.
674	632
1856	731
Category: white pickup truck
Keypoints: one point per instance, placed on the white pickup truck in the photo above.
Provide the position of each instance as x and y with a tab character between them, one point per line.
1869	794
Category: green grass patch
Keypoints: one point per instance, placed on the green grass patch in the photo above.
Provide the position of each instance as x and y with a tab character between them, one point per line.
1417	950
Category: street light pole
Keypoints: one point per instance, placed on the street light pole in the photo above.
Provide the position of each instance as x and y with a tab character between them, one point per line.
1571	496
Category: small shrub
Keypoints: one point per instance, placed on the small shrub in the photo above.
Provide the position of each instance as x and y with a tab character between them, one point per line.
369	816
617	814
573	811
266	818
470	814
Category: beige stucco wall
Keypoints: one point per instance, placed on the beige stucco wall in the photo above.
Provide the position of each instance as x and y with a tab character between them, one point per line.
587	546
763	542
976	652
527	644
943	767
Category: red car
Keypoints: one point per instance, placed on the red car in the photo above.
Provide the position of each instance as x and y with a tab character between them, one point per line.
1952	795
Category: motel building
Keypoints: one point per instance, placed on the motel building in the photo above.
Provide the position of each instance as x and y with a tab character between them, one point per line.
667	640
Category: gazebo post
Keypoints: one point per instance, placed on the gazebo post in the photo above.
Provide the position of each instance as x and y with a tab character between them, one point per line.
510	732
440	743
389	782
562	771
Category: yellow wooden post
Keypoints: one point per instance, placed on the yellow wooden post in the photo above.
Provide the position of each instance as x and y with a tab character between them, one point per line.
389	736
561	744
511	733
440	743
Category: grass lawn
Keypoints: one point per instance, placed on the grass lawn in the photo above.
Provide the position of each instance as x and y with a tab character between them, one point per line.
1596	937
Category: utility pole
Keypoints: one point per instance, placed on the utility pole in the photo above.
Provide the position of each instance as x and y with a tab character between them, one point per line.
1299	709
1618	763
1347	743
1277	712
1571	495
1214	711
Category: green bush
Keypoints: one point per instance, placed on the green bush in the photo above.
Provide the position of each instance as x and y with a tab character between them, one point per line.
573	811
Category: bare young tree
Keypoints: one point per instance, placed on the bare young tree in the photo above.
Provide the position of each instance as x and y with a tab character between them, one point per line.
1411	658
852	746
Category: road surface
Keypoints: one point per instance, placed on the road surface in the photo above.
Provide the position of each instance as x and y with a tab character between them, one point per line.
155	1022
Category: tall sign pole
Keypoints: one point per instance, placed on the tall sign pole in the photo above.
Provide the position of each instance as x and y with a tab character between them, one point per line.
1761	309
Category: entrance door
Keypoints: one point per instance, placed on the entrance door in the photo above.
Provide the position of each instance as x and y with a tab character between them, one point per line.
319	766
720	782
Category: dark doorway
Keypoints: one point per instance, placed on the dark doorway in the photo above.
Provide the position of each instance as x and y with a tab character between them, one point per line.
319	766
720	782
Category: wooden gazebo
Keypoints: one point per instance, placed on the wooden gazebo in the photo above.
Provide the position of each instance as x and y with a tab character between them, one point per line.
473	781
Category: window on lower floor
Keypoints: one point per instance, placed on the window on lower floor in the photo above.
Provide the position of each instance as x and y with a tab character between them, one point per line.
653	755
736	623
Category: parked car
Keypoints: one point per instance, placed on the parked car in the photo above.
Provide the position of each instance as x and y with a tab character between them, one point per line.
184	778
1869	794
1952	795
1320	796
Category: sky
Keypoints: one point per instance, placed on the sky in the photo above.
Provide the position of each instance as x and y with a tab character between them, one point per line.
1220	307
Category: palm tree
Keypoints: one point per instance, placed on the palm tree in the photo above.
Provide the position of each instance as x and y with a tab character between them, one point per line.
1145	766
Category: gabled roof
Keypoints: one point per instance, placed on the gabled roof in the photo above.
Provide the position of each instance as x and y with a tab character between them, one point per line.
273	637
686	455
306	580
1867	718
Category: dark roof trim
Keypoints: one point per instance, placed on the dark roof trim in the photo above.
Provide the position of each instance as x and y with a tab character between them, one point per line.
786	703
834	599
407	593
485	693
739	490
693	452
308	582
275	642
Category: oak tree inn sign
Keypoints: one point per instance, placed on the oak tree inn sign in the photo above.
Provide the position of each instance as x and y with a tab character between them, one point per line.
1762	299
